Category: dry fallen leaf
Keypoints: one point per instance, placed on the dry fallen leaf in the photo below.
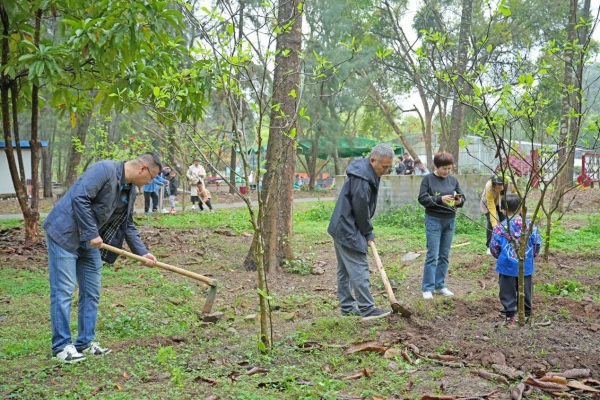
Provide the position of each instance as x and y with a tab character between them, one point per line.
556	379
257	370
205	379
581	386
366	372
370	345
441	357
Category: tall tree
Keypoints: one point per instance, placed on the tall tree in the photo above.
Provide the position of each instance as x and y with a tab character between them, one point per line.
117	47
281	148
457	113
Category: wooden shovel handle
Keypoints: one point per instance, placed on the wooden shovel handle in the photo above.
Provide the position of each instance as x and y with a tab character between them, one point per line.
181	271
384	277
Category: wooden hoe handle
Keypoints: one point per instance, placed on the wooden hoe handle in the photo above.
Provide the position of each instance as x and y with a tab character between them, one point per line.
181	271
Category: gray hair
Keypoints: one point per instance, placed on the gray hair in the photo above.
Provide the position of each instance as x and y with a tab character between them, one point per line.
382	150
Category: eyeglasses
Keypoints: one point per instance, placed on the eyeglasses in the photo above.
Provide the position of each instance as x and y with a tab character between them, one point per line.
149	173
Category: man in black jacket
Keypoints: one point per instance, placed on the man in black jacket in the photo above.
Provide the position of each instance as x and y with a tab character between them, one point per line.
352	231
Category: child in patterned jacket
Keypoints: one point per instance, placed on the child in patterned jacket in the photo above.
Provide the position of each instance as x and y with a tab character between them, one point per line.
507	264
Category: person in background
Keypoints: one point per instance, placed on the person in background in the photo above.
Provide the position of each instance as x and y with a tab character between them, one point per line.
173	187
408	164
204	196
490	205
352	231
194	197
420	169
151	194
400	167
97	209
196	173
507	264
440	194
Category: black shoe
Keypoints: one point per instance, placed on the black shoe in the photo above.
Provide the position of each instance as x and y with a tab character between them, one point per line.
376	313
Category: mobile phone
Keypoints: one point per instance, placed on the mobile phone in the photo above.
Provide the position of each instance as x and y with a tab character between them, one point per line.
458	196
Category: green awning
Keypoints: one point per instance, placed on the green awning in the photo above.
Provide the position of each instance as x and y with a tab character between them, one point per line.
347	146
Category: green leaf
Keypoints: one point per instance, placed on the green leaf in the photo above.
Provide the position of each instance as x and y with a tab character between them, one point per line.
293	93
489	48
156	91
504	9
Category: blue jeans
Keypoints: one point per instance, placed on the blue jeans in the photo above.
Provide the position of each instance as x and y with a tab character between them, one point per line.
439	233
64	269
353	275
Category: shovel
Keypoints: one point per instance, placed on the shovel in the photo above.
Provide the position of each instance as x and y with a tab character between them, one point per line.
212	292
397	308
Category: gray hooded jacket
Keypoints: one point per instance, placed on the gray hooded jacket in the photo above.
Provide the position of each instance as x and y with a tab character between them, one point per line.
350	224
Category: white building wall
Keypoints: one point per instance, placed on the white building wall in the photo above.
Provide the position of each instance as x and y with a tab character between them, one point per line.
6	183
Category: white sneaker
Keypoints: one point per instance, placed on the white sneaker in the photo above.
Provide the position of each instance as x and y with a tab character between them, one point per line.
488	252
427	295
193	208
94	349
443	291
165	211
69	355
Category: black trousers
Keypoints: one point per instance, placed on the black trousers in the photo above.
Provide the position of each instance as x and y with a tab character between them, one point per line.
508	294
207	202
490	228
147	197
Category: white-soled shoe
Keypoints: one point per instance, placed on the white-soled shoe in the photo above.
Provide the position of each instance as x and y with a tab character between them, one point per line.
488	252
427	295
94	349
443	291
69	355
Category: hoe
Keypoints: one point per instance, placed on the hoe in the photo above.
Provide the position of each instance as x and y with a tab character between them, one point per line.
212	292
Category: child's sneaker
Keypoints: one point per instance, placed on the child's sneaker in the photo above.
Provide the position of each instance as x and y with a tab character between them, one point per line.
94	349
147	213
510	322
69	355
173	211
427	295
164	211
488	252
212	211
443	291
193	208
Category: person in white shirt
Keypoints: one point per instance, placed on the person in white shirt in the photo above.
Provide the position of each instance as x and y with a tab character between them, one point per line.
196	173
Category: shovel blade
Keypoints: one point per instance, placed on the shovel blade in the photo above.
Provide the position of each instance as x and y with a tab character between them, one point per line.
210	299
398	308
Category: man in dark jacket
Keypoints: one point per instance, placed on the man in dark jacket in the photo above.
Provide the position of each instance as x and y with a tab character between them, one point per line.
352	231
96	209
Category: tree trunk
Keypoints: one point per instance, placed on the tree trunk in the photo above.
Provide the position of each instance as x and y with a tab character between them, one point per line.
565	143
232	165
456	116
46	173
281	148
74	155
578	98
336	163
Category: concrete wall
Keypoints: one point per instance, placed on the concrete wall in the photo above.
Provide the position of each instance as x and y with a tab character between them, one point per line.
6	183
398	191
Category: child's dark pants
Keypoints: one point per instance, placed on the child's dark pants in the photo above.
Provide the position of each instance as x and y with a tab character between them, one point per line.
508	294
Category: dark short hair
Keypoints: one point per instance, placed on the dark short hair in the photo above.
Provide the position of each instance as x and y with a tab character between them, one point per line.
497	180
151	159
511	203
406	154
443	159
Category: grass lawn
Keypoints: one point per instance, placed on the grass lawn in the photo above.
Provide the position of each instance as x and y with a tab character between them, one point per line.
164	350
